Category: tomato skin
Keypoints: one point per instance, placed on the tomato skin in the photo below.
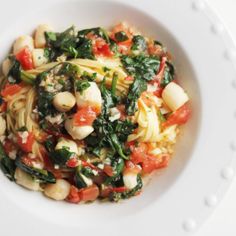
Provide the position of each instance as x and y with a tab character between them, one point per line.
100	46
11	89
85	116
26	147
179	117
25	58
130	167
9	146
138	153
72	163
119	189
3	107
90	193
74	196
108	170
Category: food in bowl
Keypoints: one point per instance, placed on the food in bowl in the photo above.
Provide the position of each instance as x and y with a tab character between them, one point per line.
86	114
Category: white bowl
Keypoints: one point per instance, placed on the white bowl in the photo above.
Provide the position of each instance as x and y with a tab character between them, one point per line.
180	197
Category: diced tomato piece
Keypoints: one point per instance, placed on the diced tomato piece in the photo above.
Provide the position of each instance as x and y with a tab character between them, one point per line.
74	195
72	163
85	163
103	50
108	170
89	194
27	160
119	189
106	192
130	167
122	28
3	106
152	163
85	116
28	145
129	78
11	89
179	117
138	153
156	50
25	58
9	146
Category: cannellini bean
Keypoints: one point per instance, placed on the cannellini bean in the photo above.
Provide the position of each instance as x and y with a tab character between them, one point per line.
58	191
78	132
71	145
89	97
174	96
22	42
38	57
25	180
40	40
3	126
6	66
64	101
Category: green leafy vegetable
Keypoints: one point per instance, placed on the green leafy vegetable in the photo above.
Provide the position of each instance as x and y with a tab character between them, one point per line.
42	175
6	164
61	156
139	43
85	49
118	165
168	74
121	36
113	85
81	85
14	74
27	77
96	31
143	68
139	85
129	193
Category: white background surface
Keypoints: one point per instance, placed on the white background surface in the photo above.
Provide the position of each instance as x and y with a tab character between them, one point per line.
223	220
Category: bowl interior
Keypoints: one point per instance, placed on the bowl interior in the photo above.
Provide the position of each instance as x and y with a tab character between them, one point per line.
85	14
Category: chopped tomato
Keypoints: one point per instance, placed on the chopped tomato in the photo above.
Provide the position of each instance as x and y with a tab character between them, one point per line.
161	70
85	163
85	116
9	146
152	163
130	167
156	50
90	193
3	106
72	163
119	189
122	28
74	195
25	58
148	162
122	111
26	145
108	170
129	78
101	48
11	89
105	192
179	117
27	160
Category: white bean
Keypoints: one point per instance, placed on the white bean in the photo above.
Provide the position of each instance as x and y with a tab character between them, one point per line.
64	101
90	96
22	42
40	40
3	126
58	191
71	145
38	57
174	96
25	180
78	132
6	66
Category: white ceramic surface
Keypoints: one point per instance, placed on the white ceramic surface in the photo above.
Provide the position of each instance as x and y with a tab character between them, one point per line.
179	198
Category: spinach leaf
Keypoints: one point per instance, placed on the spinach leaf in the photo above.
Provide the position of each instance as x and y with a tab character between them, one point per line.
14	74
121	36
129	193
85	49
113	85
6	164
61	156
118	165
141	66
139	43
139	85
45	106
96	31
168	74
42	175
